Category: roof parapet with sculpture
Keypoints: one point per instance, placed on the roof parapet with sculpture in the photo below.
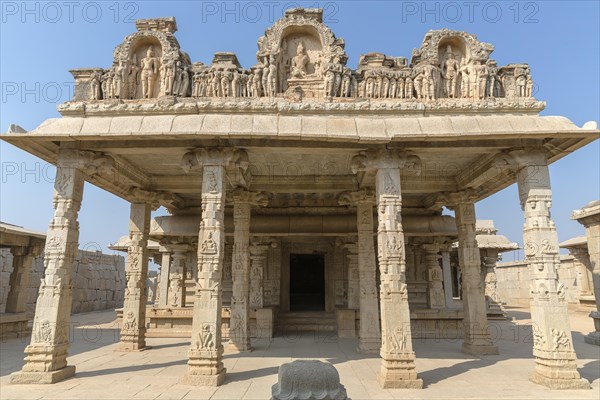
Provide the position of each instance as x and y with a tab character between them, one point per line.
301	65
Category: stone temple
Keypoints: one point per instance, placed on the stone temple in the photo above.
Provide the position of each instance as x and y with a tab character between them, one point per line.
303	189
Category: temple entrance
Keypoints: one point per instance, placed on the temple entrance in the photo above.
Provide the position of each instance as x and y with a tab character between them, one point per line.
307	282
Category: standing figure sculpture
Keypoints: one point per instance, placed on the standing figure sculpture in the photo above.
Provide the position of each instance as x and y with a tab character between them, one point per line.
185	82
409	89
529	86
450	73
96	91
464	79
150	66
132	77
265	77
272	78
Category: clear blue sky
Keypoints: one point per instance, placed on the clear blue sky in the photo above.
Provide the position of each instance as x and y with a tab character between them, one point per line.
41	41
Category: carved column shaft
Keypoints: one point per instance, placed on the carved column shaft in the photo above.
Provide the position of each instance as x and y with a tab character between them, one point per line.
240	313
490	282
555	357
133	330
477	336
258	259
435	288
205	364
177	276
23	258
369	334
584	271
353	276
46	356
398	368
165	272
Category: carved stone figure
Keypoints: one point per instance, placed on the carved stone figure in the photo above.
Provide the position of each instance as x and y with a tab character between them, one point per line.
272	88
560	340
450	72
132	78
130	323
150	68
299	62
95	88
206	341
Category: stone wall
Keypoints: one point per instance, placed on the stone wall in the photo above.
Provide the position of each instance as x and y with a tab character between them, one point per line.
98	281
514	277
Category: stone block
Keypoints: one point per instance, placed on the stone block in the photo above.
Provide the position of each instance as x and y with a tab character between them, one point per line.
308	379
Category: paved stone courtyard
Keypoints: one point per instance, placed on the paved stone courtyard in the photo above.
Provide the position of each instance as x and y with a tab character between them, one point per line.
154	374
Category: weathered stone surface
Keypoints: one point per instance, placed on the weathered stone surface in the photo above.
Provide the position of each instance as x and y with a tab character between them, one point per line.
308	379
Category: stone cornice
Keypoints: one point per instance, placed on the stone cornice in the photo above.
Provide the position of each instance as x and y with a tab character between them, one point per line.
172	105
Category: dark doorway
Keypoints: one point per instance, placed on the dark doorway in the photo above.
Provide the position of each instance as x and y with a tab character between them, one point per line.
307	282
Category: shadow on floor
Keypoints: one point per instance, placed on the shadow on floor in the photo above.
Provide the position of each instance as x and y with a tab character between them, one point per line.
436	375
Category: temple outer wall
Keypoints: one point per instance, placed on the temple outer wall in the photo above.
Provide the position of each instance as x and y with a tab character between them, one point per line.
99	281
514	277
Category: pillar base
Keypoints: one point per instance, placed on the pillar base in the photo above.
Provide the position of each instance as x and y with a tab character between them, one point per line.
399	373
204	380
479	350
592	338
389	382
239	348
555	383
128	348
23	377
369	347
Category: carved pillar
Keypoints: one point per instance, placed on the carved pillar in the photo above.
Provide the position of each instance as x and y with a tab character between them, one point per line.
589	217
133	330
369	334
205	364
490	282
584	275
46	356
397	368
23	258
477	339
555	358
435	288
258	259
240	313
353	276
165	271
447	271
177	275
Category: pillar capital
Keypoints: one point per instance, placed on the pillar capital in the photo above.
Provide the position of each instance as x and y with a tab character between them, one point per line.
385	159
241	195
154	199
199	158
351	199
431	248
451	199
89	162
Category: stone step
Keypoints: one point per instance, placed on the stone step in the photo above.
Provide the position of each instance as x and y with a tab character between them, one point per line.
306	321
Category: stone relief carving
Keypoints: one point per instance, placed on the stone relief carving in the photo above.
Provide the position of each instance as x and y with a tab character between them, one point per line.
300	58
130	323
205	339
560	340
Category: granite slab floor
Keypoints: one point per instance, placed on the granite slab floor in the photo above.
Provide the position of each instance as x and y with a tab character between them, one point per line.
103	373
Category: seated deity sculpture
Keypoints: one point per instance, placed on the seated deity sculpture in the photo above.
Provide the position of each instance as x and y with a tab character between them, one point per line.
299	62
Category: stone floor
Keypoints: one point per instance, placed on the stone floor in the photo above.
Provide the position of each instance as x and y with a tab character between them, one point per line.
154	374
